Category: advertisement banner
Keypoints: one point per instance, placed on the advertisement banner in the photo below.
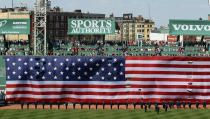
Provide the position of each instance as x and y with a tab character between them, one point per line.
91	26
172	38
14	26
189	27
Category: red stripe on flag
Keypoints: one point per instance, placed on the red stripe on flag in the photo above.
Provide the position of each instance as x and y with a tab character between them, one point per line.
169	80
170	86
167	65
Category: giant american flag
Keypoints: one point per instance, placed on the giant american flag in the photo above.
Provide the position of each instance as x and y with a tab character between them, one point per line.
107	79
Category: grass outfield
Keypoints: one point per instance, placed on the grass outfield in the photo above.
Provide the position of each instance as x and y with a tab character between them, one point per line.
104	114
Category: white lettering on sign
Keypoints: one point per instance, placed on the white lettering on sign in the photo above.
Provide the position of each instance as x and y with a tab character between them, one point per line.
207	28
185	27
192	28
91	26
2	23
20	23
73	24
91	30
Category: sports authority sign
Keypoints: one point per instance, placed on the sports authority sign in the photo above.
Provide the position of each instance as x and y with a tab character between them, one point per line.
91	26
189	27
14	26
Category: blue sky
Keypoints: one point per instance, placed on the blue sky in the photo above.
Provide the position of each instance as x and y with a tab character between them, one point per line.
160	10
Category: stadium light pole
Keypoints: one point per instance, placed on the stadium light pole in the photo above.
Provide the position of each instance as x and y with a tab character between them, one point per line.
12	4
40	27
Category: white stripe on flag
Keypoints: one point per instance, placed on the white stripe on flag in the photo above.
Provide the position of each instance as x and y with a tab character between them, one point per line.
167	69
69	82
167	76
153	83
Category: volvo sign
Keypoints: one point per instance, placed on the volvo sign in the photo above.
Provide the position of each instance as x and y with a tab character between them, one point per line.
189	27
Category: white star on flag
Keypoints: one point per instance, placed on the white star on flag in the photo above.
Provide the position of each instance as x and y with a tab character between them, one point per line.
61	73
25	63
91	60
61	63
19	68
73	73
97	64
121	73
85	64
73	64
37	73
19	60
49	73
31	59
43	59
13	64
31	68
85	73
97	73
25	72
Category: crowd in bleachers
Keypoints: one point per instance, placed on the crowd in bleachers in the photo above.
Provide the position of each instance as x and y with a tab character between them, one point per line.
113	48
14	48
147	48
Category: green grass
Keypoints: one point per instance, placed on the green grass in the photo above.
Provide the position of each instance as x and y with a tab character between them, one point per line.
104	114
